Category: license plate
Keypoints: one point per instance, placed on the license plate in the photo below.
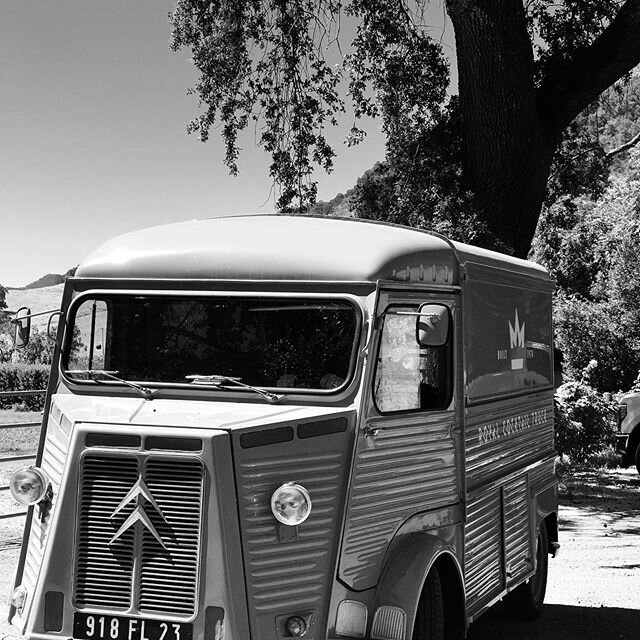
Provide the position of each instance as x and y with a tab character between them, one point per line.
91	626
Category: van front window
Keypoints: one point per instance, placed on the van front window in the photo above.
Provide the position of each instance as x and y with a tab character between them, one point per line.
268	342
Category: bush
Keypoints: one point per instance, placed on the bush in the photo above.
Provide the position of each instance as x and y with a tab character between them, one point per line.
585	331
23	377
584	421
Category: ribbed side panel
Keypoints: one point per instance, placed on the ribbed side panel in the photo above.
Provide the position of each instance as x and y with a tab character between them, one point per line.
169	579
104	572
542	474
289	573
502	437
483	548
517	533
401	471
53	465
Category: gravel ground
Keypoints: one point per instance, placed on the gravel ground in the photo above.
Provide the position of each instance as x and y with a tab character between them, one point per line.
593	591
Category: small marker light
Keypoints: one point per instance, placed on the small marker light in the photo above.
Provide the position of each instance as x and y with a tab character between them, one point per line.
29	485
296	626
291	504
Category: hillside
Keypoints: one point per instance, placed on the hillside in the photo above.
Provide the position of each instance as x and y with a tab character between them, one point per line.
50	280
42	299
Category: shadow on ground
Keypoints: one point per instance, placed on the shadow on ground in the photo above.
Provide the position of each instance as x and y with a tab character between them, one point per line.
559	622
601	490
615	496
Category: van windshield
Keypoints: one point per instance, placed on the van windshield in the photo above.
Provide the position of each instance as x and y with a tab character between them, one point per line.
295	343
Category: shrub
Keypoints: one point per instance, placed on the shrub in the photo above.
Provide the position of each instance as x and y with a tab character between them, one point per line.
23	377
585	331
584	421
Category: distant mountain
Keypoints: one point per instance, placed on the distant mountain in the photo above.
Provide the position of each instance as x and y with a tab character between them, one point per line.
50	280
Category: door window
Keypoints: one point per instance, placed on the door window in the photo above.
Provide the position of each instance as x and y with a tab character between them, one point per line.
410	377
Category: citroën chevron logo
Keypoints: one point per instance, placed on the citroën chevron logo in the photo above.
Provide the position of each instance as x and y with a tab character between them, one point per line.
139	492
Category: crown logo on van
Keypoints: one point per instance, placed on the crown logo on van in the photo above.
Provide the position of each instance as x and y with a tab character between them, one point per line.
516	340
140	493
516	333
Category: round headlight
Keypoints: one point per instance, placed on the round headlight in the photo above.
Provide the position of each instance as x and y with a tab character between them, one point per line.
18	598
29	485
291	504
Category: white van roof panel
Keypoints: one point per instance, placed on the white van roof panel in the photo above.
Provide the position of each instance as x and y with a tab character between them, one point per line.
286	247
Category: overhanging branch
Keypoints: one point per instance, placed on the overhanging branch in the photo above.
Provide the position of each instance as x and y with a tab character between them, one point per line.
623	147
571	86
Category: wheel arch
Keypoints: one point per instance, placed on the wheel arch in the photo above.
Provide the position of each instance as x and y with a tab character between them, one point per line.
405	573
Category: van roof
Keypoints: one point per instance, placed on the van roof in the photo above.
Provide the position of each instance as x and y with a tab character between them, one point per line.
289	247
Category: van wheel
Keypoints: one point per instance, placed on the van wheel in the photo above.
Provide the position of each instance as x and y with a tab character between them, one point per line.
637	458
429	624
525	601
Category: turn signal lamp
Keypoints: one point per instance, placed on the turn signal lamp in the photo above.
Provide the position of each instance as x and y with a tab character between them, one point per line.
29	485
291	504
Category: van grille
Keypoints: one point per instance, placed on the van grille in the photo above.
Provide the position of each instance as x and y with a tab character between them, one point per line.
133	572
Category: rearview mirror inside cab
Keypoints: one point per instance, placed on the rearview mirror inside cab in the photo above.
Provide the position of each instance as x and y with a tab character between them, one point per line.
432	327
22	329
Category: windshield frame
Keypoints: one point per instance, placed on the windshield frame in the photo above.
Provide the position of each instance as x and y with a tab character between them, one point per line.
204	391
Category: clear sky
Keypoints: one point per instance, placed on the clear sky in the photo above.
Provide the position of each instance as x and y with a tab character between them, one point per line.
93	143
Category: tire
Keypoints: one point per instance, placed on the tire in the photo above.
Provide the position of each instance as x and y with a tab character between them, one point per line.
525	601
429	623
636	458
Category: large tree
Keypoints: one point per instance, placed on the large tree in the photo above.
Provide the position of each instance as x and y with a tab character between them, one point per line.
525	71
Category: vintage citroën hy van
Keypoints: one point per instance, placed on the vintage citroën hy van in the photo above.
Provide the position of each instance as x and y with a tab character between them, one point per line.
270	427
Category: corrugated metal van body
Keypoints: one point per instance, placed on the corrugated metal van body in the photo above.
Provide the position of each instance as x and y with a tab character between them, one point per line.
407	468
504	436
57	442
509	458
289	570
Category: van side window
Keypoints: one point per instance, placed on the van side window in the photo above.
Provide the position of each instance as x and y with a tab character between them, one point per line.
410	377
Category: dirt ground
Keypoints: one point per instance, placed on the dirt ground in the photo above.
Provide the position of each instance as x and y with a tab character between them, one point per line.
593	591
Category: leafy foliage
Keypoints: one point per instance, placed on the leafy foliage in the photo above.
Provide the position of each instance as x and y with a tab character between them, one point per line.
19	377
39	349
591	246
3	295
583	420
559	29
587	331
264	60
285	67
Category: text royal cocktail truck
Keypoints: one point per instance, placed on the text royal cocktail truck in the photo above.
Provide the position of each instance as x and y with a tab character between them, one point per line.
274	426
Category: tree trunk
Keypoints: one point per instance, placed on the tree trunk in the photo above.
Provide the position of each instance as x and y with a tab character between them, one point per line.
511	128
508	153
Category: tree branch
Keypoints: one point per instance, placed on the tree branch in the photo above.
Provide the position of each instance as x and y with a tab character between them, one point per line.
571	85
623	147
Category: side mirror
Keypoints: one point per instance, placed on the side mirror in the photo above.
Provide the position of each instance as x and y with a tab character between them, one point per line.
22	321
52	325
432	326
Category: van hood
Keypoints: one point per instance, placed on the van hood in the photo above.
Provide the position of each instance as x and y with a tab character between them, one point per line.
182	413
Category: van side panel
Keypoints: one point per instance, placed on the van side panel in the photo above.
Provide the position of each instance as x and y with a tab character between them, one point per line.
502	437
508	426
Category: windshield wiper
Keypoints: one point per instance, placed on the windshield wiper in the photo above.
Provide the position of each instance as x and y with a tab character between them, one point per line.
226	382
112	375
